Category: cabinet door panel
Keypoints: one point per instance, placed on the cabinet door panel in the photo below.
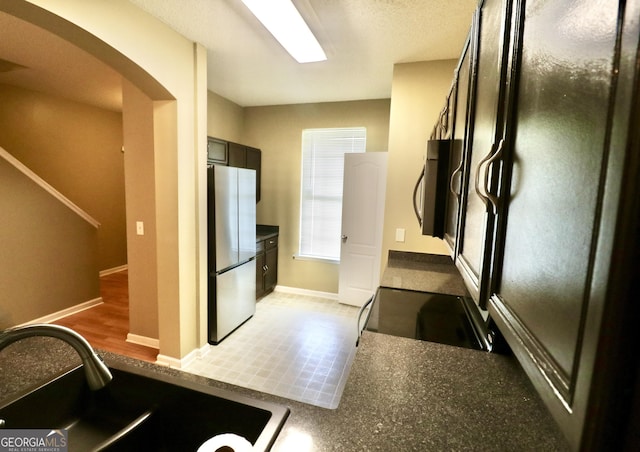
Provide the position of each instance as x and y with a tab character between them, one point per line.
271	276
459	128
216	151
254	162
260	263
237	155
476	235
558	138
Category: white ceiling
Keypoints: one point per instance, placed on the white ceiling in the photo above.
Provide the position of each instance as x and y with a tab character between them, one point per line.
363	39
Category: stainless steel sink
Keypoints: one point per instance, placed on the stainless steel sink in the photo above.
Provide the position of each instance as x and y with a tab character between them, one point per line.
142	410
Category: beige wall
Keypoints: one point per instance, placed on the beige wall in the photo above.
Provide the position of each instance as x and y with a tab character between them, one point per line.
225	119
77	149
48	253
277	131
418	94
402	125
171	70
138	137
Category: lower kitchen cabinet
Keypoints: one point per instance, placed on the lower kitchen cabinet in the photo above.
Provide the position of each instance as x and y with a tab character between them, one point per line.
266	265
271	261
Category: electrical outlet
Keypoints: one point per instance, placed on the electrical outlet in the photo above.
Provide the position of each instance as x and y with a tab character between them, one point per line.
139	227
400	235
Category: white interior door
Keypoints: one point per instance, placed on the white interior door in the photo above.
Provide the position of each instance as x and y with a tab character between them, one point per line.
365	181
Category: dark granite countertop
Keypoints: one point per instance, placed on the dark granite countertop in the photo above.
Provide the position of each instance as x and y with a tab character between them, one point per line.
401	395
264	231
423	272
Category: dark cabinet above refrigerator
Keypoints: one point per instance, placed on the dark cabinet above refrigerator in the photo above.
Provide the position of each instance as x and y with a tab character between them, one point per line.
228	153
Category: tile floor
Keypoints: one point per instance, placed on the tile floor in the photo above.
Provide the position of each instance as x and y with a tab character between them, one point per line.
295	346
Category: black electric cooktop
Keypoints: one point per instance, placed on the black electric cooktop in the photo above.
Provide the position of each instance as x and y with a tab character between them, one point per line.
446	319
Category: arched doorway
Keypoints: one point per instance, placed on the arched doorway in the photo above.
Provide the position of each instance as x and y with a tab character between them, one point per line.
162	66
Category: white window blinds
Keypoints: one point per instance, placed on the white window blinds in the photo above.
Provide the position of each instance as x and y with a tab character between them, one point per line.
321	188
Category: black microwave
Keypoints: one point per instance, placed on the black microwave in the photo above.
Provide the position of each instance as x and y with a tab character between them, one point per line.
432	188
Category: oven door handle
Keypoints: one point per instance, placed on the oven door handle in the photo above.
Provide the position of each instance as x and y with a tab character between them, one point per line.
362	309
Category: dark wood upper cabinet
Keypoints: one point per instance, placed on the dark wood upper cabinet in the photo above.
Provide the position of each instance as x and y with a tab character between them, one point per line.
489	47
458	111
557	190
254	161
549	215
217	151
236	155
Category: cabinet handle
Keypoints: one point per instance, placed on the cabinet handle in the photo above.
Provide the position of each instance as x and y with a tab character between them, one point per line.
453	177
487	198
444	119
496	155
415	196
482	196
362	309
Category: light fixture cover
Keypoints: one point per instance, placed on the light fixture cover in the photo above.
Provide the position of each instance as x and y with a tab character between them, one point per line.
285	23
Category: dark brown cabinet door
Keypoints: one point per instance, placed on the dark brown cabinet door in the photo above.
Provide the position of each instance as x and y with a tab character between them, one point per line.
548	272
260	270
458	101
266	265
217	151
253	160
237	155
476	230
241	156
271	274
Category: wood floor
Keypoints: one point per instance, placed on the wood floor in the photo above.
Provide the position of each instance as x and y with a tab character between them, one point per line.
106	326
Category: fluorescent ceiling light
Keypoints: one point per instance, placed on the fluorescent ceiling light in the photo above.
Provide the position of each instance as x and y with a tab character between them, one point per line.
285	23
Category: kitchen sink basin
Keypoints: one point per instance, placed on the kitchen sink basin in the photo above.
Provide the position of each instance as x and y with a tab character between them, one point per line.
142	410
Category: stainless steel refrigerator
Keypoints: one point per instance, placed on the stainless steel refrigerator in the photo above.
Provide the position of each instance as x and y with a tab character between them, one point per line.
232	249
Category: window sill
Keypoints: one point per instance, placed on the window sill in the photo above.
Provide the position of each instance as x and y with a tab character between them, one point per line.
316	259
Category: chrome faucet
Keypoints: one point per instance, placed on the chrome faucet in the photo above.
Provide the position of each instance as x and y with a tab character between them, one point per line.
96	371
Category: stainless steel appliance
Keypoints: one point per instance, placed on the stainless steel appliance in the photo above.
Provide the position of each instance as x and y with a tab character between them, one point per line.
232	249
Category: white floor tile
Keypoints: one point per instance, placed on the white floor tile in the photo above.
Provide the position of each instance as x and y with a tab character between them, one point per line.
295	346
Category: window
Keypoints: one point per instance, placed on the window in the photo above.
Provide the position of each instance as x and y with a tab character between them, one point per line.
321	188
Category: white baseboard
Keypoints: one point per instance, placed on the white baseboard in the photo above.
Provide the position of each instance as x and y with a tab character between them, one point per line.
176	363
310	293
110	271
205	350
143	340
66	312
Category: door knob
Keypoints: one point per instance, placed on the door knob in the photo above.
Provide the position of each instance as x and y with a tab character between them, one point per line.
344	238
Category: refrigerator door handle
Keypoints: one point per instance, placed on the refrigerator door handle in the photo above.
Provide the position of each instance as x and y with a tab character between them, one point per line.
231	267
